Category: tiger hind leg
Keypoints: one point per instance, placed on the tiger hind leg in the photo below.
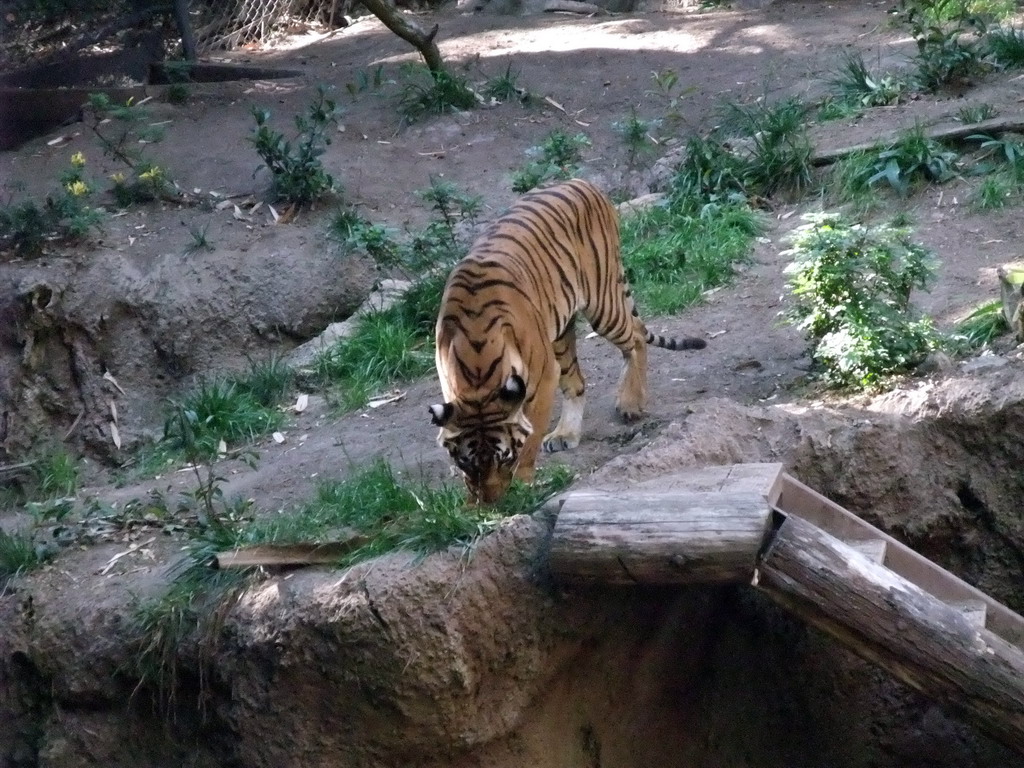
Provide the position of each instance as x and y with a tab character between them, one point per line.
632	397
566	434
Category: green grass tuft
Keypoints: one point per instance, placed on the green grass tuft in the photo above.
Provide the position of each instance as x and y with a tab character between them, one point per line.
18	554
384	349
392	513
674	253
445	92
985	323
218	410
1006	46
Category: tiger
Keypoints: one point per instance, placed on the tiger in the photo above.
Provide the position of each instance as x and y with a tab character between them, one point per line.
506	334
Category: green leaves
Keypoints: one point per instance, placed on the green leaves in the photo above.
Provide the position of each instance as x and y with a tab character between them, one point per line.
851	285
298	176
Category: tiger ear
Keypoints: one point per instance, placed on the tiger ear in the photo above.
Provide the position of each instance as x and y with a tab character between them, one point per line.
441	413
513	391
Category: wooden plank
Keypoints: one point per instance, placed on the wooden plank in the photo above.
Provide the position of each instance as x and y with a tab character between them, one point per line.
888	620
281	555
872	549
798	499
675	537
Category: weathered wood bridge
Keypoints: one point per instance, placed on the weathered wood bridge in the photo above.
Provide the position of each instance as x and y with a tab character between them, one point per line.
757	525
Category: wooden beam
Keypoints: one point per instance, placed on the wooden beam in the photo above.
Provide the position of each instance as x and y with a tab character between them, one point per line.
648	537
928	644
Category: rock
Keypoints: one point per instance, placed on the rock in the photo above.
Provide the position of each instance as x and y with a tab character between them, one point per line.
983	363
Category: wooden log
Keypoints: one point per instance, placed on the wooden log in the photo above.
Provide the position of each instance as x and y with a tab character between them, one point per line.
930	645
996	125
674	537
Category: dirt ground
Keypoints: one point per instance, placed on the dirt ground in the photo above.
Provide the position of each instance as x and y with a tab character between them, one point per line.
135	304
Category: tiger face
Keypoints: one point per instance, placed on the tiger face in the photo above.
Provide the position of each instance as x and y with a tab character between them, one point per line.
485	444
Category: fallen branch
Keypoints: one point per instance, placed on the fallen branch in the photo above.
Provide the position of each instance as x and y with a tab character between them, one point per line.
943	133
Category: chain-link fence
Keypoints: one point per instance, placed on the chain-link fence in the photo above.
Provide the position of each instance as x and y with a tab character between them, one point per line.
42	31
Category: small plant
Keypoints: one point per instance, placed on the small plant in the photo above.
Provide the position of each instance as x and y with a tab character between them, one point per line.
444	93
993	193
298	176
268	382
636	135
353	231
709	171
855	84
54	474
177	93
985	323
200	241
366	81
912	158
976	113
831	108
558	157
851	288
781	153
666	83
18	554
1006	46
438	244
505	87
122	129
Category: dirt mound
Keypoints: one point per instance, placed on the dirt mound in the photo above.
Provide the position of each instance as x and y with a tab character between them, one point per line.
113	326
476	658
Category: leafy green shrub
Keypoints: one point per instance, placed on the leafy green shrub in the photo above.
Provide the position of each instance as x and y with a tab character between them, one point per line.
366	82
557	157
709	171
851	287
297	173
443	93
947	50
636	135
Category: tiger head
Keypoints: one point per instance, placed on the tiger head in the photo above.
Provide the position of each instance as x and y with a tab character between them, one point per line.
485	442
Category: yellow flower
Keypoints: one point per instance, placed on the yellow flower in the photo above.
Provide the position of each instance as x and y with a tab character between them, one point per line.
78	160
152	174
78	188
117	178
